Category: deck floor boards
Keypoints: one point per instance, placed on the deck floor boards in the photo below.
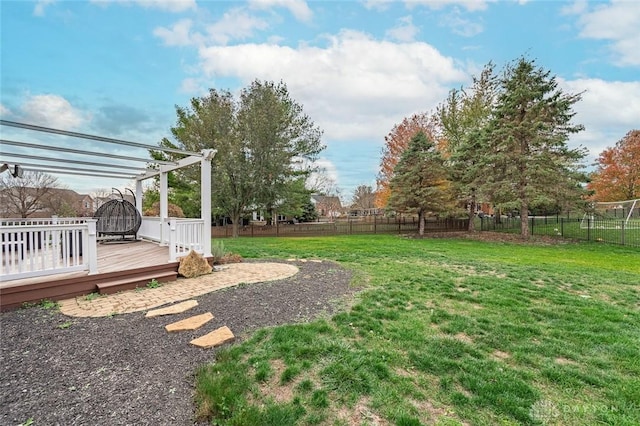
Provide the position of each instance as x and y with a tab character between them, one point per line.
112	257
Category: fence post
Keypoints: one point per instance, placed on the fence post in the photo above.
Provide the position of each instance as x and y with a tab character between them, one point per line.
350	227
588	229
374	224
562	227
622	232
532	223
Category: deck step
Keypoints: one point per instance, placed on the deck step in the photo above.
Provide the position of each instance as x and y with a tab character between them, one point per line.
133	281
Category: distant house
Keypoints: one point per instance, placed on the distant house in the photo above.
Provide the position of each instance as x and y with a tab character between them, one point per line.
327	206
44	202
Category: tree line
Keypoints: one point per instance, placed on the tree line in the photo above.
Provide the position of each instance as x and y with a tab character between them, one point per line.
502	141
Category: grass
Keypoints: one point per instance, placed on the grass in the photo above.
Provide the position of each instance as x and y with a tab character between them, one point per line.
602	231
444	332
154	284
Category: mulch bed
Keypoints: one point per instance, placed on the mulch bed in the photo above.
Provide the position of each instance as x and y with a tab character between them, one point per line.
126	369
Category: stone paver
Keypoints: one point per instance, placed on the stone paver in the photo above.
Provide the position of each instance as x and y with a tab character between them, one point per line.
149	298
216	338
191	323
173	309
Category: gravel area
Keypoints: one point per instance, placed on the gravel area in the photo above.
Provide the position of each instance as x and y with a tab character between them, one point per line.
126	369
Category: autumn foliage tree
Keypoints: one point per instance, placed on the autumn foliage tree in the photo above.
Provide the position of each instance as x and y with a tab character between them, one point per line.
617	176
395	144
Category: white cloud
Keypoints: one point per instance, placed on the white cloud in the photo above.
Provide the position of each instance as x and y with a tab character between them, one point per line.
177	35
190	86
298	8
174	6
4	111
326	178
617	22
470	5
235	24
38	9
355	87
608	109
576	8
459	25
405	31
51	111
379	5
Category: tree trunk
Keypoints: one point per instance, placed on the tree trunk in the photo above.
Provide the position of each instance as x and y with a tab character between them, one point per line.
421	223
524	220
472	210
235	219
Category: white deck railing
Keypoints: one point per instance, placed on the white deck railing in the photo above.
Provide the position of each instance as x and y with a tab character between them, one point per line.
185	235
151	229
36	247
181	235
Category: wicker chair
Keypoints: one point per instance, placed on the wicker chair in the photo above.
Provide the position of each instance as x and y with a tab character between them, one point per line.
118	217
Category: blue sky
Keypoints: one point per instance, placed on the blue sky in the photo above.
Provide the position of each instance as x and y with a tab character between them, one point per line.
117	68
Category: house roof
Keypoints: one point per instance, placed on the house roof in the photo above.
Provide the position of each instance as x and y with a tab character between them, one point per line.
326	200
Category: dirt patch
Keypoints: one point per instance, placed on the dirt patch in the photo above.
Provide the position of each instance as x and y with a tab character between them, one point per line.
360	414
497	237
500	355
464	338
564	361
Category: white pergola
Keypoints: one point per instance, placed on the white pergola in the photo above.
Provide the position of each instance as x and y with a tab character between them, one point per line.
32	156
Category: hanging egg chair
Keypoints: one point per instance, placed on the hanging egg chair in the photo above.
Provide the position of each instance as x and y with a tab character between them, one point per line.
118	218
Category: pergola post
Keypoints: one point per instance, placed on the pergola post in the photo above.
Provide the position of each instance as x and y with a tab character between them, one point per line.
139	196
164	206
205	199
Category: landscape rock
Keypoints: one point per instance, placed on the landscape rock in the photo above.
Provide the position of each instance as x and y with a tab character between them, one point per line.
191	323
193	265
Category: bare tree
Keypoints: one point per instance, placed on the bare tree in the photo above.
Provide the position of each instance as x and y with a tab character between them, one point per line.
26	195
364	198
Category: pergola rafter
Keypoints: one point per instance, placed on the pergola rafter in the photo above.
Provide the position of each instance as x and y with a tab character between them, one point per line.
164	167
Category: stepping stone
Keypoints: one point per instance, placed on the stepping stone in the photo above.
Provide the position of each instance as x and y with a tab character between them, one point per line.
173	309
192	323
215	338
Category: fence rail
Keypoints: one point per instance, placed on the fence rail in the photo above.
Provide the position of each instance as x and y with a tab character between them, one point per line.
612	231
369	225
185	235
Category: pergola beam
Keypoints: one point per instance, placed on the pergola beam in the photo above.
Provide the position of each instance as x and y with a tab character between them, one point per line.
94	137
81	152
128	177
85	163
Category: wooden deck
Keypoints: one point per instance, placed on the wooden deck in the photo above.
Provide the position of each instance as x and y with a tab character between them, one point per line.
121	266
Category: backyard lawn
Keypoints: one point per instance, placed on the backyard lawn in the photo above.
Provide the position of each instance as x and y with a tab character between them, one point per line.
444	332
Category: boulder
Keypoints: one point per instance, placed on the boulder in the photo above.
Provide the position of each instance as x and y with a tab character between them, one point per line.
193	265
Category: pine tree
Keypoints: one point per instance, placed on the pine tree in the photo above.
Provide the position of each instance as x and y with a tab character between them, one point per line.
461	117
524	147
420	182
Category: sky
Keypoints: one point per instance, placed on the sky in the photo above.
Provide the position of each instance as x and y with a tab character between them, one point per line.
118	68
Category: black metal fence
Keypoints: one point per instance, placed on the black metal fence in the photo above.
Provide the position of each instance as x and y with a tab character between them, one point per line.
366	225
612	231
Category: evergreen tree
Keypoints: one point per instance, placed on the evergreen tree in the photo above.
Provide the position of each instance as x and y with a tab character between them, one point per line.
420	182
525	143
461	118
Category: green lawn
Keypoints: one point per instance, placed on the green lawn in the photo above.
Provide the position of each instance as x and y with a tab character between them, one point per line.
445	332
